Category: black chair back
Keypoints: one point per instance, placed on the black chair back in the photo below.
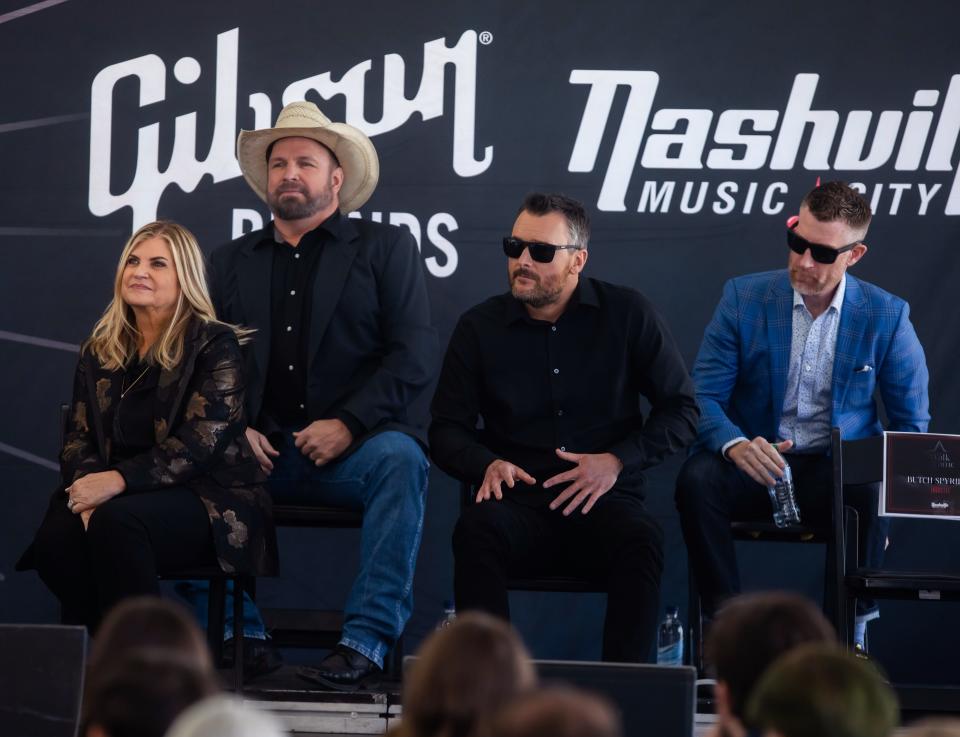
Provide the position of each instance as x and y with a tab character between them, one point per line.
41	679
861	462
652	699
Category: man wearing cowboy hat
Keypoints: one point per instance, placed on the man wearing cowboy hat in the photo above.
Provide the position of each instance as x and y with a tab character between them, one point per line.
343	346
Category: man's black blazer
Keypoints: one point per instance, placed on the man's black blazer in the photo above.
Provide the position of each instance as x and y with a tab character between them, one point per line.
372	348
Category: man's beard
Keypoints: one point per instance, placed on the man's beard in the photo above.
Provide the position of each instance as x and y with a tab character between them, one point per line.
297	209
806	284
541	295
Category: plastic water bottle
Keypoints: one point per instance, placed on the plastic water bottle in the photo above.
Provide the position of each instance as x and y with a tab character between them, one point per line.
670	639
449	615
784	501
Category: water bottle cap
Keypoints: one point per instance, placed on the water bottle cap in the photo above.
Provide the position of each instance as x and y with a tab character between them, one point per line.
673	611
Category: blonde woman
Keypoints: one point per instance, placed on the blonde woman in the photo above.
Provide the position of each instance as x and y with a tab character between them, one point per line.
157	472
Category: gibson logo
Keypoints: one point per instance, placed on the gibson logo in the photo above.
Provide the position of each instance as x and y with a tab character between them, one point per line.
744	140
186	170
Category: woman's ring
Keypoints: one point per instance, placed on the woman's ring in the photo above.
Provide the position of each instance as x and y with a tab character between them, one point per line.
70	504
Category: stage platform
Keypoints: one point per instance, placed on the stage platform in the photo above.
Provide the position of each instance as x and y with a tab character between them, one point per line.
308	709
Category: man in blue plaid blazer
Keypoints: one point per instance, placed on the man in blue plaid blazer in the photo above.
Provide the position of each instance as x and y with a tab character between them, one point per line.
787	356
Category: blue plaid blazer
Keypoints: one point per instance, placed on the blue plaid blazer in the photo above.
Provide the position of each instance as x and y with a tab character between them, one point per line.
741	369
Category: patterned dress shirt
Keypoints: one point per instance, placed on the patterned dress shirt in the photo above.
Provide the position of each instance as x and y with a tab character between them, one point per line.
808	401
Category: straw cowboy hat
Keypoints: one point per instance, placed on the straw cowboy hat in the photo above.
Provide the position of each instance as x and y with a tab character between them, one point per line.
357	156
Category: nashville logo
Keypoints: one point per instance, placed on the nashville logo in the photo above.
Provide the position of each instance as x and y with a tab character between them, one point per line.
677	139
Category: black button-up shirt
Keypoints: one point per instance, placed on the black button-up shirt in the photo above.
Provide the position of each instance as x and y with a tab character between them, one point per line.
291	300
574	384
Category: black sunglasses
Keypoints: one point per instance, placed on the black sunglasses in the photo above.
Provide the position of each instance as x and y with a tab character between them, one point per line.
820	254
542	253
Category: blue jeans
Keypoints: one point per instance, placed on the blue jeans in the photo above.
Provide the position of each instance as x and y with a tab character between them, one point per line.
386	479
197	595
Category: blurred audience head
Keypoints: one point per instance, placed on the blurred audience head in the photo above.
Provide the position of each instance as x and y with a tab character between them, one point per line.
751	632
822	690
225	716
464	671
556	712
140	693
148	622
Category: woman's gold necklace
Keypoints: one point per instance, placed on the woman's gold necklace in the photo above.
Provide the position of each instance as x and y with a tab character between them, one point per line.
125	391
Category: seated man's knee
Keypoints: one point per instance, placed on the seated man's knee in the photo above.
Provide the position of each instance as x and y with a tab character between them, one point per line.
475	530
395	452
697	475
639	543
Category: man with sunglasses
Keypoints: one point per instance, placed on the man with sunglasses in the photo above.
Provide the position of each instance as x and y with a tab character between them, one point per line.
556	368
789	355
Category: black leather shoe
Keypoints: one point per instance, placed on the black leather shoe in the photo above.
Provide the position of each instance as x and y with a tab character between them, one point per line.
343	669
259	657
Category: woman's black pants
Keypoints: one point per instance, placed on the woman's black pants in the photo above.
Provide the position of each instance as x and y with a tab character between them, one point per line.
130	540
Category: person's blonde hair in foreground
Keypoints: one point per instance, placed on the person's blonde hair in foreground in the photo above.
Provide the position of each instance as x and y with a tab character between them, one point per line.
225	716
464	672
937	727
823	691
556	712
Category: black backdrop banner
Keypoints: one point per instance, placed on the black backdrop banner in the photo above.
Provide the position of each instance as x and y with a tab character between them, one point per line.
690	130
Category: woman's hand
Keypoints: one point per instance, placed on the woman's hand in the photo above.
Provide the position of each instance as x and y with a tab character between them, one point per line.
90	491
262	449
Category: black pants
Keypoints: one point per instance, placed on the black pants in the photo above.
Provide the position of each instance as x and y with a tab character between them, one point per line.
130	540
618	544
712	491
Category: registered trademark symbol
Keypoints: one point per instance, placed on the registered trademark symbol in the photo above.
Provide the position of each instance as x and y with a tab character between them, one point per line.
486	38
